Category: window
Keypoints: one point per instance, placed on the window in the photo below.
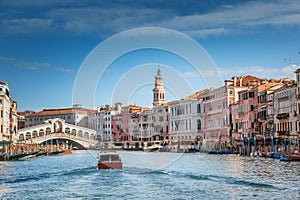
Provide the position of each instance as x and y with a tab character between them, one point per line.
198	124
161	118
245	96
251	94
198	108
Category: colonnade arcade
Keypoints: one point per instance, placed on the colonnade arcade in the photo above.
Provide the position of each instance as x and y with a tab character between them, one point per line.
55	126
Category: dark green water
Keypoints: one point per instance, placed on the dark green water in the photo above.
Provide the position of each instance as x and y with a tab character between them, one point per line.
150	175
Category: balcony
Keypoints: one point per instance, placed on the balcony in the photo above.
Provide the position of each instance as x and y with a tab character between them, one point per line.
241	113
282	133
283	116
285	98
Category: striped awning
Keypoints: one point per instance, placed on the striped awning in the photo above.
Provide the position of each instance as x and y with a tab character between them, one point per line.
5	142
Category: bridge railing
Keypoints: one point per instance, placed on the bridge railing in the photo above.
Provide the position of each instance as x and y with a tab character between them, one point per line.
58	135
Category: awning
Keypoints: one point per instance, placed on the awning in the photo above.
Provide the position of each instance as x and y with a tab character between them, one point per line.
5	142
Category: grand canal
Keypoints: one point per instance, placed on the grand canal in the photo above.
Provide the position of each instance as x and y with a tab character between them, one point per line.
150	175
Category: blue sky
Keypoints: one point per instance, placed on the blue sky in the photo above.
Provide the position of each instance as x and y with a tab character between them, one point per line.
44	43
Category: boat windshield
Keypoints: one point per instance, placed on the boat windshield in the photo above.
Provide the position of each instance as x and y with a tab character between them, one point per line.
109	158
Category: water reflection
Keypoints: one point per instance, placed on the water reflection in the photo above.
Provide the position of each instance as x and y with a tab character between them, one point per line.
157	175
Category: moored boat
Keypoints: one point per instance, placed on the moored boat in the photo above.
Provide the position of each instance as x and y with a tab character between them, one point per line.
66	152
109	160
53	153
152	147
290	157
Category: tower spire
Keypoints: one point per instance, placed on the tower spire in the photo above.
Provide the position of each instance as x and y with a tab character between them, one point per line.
158	90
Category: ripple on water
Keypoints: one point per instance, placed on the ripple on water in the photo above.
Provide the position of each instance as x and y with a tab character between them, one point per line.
154	175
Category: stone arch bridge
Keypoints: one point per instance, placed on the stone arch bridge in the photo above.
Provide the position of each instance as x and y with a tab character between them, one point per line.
58	130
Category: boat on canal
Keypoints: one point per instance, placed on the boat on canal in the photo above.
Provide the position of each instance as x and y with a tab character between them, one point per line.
65	152
153	146
109	160
290	157
13	157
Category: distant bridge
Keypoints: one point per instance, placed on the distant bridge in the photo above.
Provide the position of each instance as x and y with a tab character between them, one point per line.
57	130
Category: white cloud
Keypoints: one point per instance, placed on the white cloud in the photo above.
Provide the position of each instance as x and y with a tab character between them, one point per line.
6	58
247	15
260	71
104	18
35	65
30	25
40	66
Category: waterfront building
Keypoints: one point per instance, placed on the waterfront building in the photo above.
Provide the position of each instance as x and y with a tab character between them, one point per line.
108	135
216	129
285	111
265	108
76	115
251	113
126	123
21	118
218	126
5	112
96	122
186	118
160	120
145	125
297	73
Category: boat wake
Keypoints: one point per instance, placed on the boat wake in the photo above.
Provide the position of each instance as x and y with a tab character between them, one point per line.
38	177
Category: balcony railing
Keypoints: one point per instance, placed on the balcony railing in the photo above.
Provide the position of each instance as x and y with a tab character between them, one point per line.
283	116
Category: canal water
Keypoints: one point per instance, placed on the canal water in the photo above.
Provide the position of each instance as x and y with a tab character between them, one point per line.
150	175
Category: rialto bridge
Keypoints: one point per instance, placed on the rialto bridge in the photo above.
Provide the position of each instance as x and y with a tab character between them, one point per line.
55	131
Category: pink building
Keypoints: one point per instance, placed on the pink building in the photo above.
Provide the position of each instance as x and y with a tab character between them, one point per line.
218	109
125	123
216	118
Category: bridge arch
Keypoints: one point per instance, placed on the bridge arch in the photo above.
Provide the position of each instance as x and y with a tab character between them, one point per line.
41	132
34	134
86	135
48	131
73	132
92	137
67	130
57	129
28	135
21	137
80	133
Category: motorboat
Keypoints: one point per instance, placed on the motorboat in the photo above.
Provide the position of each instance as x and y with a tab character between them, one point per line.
152	147
109	160
65	152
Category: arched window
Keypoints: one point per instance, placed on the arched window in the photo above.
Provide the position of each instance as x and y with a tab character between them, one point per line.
34	134
98	137
21	137
67	130
73	132
48	131
41	132
198	124
92	137
86	135
80	134
28	135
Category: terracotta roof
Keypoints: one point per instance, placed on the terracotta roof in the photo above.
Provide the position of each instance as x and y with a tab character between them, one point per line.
267	86
145	109
61	111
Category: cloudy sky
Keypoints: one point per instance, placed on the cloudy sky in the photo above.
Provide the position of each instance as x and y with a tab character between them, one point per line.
44	43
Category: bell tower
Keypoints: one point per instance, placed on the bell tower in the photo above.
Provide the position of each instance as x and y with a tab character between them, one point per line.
158	90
